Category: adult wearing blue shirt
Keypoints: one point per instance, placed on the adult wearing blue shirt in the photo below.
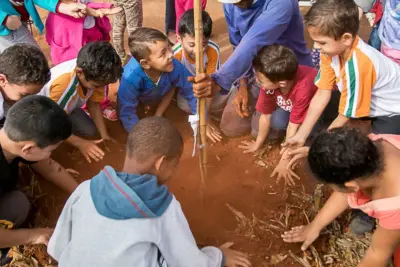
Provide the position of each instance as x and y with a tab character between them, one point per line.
252	24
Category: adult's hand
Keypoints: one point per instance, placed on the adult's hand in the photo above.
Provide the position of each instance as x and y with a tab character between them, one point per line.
241	102
204	85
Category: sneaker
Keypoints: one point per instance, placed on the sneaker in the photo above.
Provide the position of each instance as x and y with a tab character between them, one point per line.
361	223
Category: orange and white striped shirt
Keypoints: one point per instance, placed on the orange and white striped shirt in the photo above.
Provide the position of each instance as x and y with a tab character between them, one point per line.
65	90
211	58
368	81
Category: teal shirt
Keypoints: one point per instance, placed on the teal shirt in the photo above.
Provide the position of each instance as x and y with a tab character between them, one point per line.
6	9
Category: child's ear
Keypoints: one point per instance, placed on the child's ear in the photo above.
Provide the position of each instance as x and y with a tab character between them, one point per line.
178	38
3	80
347	39
79	71
27	148
352	186
144	64
159	163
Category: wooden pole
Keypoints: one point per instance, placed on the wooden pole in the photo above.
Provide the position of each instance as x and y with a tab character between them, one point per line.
201	103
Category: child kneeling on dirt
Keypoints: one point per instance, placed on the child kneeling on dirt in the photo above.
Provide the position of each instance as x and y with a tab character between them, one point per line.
364	174
35	126
286	92
184	51
81	81
129	218
150	77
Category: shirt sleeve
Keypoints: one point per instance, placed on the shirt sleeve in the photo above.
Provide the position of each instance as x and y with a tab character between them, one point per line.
213	60
266	30
49	5
266	102
234	34
358	82
326	77
180	80
98	96
299	109
128	95
178	246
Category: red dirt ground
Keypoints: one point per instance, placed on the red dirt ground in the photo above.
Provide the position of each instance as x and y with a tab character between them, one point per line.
233	177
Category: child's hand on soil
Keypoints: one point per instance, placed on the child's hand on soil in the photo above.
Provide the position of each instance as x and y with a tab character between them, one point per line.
106	140
296	155
13	22
249	146
213	132
234	258
282	171
40	235
90	150
306	234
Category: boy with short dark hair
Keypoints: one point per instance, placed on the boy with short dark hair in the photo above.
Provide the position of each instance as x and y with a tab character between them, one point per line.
368	81
286	92
34	127
129	218
151	76
184	51
363	172
23	71
82	81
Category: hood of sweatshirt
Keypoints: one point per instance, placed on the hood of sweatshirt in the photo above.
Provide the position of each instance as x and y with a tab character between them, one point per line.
122	196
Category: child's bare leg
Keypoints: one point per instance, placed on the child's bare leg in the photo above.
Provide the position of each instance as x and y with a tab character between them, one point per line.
165	101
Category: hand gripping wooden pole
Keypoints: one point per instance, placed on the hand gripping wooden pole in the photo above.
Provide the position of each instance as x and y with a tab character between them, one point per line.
201	103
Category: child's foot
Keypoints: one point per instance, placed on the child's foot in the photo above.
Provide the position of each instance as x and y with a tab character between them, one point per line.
110	114
361	223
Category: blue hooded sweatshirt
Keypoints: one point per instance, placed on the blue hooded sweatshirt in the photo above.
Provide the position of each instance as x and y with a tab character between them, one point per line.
137	87
266	22
122	196
121	219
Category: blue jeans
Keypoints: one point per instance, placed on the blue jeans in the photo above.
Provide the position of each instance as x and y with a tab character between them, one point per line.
279	122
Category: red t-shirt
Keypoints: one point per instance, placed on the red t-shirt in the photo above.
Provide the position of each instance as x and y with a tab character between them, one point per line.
296	101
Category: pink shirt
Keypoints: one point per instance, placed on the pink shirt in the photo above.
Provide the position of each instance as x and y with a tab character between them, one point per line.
386	210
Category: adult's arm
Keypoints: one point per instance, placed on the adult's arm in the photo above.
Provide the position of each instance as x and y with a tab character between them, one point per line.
266	30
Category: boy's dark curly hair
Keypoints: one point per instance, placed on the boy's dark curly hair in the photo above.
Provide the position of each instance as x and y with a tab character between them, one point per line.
342	155
100	62
24	64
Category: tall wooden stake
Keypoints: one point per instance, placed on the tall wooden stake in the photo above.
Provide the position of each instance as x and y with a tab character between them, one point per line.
201	104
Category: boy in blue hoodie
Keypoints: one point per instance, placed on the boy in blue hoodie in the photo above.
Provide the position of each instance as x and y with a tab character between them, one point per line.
129	218
151	77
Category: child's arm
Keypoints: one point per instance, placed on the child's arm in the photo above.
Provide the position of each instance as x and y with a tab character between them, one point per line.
128	94
180	76
178	246
19	237
95	112
317	106
383	245
165	101
263	130
292	129
53	172
99	13
336	204
340	121
70	8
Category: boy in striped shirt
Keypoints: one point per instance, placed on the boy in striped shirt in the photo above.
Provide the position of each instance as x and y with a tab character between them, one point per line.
184	51
81	81
368	81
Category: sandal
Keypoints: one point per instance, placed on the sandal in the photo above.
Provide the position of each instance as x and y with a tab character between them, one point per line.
110	114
